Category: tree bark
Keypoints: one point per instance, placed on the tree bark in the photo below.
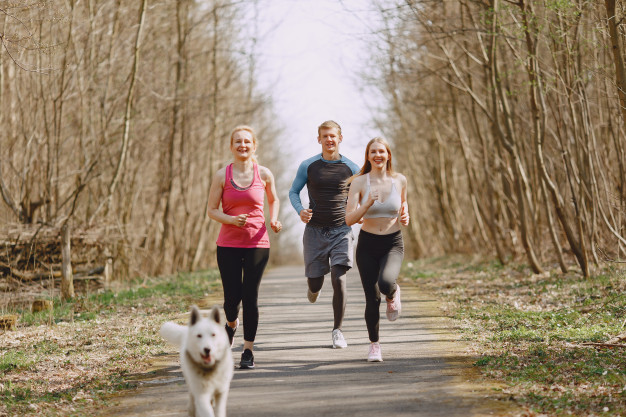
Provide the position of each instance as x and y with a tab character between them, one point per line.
618	59
128	112
506	137
67	278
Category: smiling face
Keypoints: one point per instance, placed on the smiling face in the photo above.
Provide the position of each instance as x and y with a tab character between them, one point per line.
242	144
329	138
378	155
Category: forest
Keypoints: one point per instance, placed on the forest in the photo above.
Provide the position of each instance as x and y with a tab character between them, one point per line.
514	114
115	115
508	117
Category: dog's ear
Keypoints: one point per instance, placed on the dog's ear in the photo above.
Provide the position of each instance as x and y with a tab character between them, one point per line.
215	314
195	315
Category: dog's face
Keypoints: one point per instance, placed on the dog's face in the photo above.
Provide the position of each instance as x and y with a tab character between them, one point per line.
207	340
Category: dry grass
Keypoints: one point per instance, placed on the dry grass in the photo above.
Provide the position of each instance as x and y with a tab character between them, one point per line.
68	361
531	331
528	331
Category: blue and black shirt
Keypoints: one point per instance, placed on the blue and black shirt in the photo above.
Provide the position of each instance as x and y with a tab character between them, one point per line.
327	188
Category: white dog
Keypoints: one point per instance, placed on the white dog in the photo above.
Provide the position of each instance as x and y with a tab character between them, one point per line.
205	359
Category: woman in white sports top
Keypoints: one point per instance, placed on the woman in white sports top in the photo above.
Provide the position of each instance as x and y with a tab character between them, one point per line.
377	197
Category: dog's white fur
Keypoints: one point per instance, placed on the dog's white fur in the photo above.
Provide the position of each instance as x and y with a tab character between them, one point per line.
205	359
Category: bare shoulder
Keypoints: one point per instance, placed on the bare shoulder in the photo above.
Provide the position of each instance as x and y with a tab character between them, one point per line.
220	174
265	173
400	178
358	181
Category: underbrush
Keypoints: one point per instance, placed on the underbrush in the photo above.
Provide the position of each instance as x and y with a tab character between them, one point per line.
544	335
68	360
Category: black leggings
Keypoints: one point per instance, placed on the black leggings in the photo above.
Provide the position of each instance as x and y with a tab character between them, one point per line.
379	259
241	270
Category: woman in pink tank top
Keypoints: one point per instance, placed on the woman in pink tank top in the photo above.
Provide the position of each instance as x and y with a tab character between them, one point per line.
243	245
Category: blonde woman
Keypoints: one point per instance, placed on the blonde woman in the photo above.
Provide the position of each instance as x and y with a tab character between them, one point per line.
243	246
378	197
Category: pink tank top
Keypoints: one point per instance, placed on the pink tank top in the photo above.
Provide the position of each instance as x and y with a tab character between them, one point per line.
238	200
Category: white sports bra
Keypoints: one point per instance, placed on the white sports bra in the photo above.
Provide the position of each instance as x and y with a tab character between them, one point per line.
388	208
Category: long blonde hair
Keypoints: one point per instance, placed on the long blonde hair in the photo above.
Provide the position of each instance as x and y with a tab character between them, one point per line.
247	129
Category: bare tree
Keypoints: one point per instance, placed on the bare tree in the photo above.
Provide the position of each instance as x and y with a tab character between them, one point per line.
511	111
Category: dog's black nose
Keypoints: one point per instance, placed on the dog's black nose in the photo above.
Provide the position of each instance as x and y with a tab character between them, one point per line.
207	351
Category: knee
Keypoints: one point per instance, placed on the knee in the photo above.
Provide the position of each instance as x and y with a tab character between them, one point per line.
372	294
338	272
387	287
339	282
372	301
315	284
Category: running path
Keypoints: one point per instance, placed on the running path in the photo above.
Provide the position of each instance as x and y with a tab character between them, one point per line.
424	371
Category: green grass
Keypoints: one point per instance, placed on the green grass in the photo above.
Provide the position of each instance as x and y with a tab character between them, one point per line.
532	330
117	328
176	291
13	359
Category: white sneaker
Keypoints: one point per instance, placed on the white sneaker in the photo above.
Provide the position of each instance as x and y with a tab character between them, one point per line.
312	296
374	354
338	340
394	306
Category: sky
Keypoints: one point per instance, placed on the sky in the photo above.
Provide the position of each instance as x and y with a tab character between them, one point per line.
310	56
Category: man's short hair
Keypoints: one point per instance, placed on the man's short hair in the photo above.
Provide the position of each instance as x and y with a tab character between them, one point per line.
328	124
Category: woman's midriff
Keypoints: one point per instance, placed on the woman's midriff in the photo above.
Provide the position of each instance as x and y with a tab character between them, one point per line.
381	225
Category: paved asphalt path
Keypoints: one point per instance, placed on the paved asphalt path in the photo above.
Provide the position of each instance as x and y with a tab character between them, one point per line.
424	372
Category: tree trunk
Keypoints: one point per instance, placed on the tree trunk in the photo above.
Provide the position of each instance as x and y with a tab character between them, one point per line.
127	114
507	139
67	277
618	59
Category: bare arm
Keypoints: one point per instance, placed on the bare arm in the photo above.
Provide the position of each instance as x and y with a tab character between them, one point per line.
215	198
404	209
272	198
354	211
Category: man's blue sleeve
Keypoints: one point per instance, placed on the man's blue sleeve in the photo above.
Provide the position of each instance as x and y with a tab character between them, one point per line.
354	167
298	184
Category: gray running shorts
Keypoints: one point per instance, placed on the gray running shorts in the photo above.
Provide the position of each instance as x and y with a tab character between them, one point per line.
325	247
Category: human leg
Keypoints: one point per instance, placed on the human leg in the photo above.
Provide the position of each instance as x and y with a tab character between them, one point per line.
368	266
315	284
314	288
391	263
341	242
390	266
230	264
254	263
338	279
315	260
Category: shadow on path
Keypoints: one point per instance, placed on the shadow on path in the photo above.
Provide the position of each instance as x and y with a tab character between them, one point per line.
425	370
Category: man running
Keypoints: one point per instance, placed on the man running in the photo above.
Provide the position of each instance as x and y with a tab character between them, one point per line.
327	239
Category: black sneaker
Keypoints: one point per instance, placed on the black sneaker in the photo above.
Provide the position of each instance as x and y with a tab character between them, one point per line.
247	360
231	332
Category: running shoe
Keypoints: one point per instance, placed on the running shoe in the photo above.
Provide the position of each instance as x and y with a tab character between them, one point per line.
374	354
312	296
247	360
338	340
394	306
231	331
